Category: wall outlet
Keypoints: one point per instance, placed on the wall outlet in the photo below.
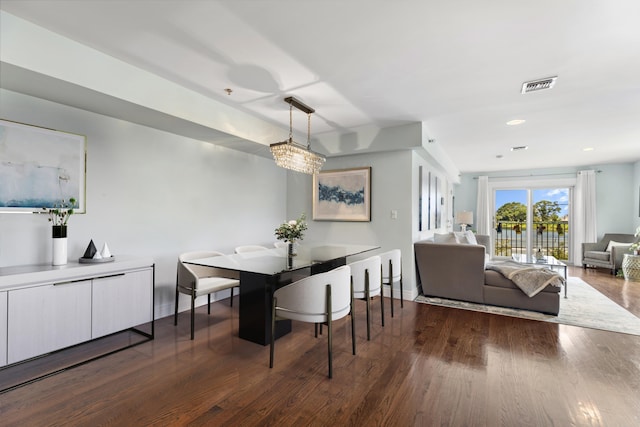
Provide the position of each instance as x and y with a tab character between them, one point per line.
394	214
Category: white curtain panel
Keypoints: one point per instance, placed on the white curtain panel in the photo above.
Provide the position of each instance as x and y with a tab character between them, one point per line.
483	208
585	213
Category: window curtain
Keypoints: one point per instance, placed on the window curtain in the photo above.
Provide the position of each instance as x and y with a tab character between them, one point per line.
584	220
483	208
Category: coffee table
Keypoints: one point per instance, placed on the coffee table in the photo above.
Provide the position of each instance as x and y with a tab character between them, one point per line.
547	261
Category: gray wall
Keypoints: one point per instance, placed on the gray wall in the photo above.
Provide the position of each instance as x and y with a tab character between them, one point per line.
394	186
635	208
149	193
390	190
154	193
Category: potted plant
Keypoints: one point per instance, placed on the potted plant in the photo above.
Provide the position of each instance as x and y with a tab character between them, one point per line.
291	231
635	247
59	216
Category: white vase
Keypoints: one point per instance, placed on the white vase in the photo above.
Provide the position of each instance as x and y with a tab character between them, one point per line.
59	245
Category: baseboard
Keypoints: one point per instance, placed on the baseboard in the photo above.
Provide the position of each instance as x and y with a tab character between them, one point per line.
407	294
165	310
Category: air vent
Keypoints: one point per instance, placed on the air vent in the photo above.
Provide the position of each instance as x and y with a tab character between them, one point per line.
520	148
536	85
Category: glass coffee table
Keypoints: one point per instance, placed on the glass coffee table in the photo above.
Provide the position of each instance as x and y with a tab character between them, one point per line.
546	261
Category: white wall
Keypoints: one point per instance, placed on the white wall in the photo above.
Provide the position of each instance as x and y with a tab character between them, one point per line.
617	190
149	192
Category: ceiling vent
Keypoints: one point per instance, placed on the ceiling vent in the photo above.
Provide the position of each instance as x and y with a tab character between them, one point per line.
536	85
520	148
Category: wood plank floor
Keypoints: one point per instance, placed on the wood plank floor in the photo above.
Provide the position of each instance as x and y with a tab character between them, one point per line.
428	366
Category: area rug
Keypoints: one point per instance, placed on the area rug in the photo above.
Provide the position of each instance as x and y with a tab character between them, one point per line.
584	307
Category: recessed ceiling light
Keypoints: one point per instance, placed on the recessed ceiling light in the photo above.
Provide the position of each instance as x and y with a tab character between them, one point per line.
520	148
516	122
588	149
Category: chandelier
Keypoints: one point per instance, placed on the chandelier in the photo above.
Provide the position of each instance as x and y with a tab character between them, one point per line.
291	155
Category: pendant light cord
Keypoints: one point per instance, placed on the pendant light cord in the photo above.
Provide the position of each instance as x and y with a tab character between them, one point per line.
309	131
290	123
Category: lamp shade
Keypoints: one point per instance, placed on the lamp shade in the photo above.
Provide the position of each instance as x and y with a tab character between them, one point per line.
464	217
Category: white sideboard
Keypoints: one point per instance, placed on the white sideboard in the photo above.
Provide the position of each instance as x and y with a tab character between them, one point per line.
45	308
3	328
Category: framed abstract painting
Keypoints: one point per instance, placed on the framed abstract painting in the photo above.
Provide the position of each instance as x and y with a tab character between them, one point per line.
40	167
342	195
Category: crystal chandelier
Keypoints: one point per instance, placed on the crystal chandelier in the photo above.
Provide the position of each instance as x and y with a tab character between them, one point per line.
291	155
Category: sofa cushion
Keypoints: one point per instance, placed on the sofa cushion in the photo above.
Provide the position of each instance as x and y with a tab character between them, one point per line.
444	238
493	278
602	256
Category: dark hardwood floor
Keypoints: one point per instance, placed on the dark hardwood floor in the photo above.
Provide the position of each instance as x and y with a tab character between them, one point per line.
428	366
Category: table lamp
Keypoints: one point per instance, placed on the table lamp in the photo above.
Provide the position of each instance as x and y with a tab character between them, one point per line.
464	218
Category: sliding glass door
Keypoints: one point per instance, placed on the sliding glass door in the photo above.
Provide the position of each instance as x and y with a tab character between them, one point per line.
528	220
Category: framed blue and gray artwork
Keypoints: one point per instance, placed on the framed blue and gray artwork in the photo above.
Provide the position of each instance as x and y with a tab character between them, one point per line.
40	167
342	195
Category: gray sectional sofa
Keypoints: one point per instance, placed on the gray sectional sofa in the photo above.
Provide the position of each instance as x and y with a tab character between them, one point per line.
457	271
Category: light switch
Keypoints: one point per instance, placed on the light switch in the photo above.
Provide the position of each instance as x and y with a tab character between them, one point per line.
394	214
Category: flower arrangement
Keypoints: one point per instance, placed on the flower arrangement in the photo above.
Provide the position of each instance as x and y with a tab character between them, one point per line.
60	213
291	231
635	247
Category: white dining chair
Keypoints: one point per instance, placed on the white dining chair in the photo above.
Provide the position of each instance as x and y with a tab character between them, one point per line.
280	244
392	272
195	280
321	298
366	278
250	248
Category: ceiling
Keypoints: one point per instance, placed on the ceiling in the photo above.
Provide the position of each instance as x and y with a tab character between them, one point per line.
457	66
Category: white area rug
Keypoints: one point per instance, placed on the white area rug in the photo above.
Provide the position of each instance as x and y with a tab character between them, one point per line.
585	307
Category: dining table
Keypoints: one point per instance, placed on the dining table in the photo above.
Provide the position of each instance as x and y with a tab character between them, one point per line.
262	272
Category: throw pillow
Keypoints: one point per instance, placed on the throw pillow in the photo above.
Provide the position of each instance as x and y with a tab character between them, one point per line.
444	238
613	243
471	238
465	237
461	237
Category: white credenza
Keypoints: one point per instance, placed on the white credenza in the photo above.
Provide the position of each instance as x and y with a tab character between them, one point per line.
3	328
116	302
46	308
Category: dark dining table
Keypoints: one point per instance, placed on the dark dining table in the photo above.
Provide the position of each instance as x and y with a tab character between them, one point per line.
262	272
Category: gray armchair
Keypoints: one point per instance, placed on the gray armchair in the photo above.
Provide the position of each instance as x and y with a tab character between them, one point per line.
596	254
